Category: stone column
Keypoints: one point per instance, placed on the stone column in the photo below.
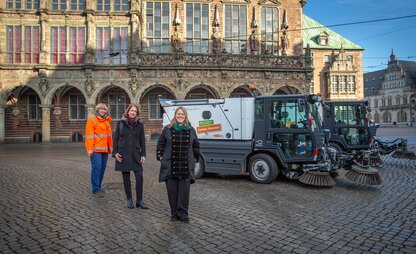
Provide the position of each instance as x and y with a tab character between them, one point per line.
46	123
90	20
90	109
44	30
2	124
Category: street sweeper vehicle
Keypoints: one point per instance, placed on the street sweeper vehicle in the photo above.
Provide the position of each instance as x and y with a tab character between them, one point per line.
354	136
263	137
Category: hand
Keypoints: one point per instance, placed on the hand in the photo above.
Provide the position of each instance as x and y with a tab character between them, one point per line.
142	159
119	158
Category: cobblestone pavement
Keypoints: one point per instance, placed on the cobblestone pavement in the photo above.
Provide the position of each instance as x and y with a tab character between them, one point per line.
46	208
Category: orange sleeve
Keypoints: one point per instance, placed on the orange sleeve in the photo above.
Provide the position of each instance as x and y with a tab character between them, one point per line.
89	136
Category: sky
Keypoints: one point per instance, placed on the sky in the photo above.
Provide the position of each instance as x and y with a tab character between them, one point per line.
377	38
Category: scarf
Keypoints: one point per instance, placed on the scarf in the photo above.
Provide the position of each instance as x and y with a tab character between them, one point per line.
181	127
131	121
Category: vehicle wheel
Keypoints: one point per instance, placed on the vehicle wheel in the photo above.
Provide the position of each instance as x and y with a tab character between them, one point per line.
262	168
199	168
337	147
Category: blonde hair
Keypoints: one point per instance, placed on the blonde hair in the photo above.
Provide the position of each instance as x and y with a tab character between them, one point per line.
137	106
101	106
173	121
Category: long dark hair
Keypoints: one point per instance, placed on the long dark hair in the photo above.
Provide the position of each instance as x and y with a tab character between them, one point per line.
137	106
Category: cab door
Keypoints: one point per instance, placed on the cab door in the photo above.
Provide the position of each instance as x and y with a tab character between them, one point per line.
288	130
350	125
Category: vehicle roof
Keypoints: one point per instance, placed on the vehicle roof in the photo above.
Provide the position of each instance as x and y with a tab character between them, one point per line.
283	96
345	102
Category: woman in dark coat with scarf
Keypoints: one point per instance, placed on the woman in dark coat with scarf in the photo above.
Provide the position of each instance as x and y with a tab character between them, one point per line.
178	150
129	149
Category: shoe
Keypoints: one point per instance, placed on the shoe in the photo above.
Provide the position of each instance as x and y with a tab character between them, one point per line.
98	194
130	203
141	204
174	218
185	220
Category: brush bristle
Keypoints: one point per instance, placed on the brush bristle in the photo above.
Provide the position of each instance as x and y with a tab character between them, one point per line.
376	161
317	179
399	154
360	175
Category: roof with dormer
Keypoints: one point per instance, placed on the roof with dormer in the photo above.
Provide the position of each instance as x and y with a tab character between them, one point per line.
374	80
311	31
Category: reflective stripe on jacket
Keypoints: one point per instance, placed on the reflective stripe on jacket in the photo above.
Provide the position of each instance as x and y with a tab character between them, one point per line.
98	137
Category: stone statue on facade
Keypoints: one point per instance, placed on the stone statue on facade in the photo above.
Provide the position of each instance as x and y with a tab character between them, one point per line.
216	41
176	43
254	42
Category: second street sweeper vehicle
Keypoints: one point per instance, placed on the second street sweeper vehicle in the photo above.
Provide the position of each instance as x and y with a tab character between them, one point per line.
354	136
264	136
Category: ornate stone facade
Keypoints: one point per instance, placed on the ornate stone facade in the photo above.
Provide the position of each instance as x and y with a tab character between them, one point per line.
133	74
391	93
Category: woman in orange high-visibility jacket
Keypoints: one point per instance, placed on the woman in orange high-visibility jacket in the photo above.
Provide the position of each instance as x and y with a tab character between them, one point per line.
99	143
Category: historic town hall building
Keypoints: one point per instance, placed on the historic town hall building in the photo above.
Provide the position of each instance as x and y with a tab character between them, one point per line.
58	58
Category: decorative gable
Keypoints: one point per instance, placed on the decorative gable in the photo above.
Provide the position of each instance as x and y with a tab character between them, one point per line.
236	1
269	2
323	38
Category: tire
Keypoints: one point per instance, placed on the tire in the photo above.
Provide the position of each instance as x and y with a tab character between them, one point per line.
199	168
262	168
337	147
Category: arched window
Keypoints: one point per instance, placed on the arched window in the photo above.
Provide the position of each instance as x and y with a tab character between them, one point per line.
389	101
383	102
404	99
401	116
397	100
376	117
387	117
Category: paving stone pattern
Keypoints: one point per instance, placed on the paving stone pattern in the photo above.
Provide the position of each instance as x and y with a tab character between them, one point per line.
46	207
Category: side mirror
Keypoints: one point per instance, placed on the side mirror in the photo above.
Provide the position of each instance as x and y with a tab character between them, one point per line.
312	98
301	104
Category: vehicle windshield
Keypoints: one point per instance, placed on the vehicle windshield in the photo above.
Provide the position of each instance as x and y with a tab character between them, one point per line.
349	115
287	114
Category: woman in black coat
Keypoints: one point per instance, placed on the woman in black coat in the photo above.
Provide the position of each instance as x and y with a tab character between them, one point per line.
178	150
129	149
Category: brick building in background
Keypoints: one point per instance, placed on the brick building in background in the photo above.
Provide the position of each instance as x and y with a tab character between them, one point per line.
58	58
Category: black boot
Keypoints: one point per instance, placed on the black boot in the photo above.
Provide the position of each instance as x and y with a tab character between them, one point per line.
141	204
130	203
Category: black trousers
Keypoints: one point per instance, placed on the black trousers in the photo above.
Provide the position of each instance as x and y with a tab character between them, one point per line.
178	194
139	184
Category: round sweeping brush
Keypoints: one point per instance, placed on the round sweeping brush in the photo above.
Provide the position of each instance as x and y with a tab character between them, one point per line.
317	178
364	175
403	154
